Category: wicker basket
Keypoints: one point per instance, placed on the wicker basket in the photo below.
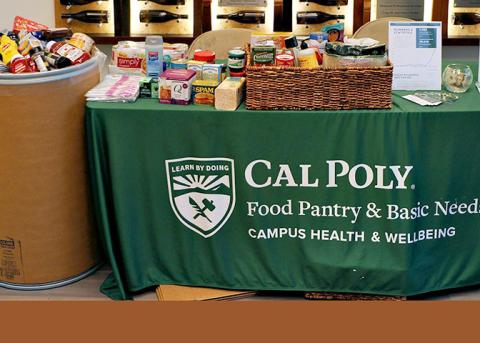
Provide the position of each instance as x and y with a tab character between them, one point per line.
293	88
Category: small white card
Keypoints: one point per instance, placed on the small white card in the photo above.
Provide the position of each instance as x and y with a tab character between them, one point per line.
415	50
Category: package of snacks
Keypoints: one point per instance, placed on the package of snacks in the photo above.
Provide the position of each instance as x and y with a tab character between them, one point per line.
128	58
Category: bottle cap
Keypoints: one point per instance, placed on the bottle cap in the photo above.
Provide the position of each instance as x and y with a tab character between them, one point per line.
35	50
304	44
49	45
63	62
236	53
204	55
291	42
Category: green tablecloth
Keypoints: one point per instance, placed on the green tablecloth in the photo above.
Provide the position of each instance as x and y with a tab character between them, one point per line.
309	201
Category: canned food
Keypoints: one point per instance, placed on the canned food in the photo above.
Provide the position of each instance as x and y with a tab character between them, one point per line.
236	60
82	41
285	60
179	64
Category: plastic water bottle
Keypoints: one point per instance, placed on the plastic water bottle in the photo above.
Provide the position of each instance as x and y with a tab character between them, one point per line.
154	56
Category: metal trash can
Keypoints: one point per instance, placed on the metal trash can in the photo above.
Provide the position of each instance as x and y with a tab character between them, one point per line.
47	237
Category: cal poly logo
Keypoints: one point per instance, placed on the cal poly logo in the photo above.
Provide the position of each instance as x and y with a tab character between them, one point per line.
202	192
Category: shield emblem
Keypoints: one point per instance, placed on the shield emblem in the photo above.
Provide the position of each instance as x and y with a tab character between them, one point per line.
202	192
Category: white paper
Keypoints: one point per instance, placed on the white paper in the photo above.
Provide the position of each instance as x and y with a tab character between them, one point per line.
415	49
420	101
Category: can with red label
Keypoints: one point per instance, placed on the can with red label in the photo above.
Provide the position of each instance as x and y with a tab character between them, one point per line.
20	64
285	60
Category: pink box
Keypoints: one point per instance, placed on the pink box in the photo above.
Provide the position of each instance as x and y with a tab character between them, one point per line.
175	86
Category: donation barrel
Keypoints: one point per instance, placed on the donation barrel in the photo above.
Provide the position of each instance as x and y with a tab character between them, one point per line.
47	237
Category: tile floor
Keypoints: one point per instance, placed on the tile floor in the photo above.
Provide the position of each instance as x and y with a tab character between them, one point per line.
88	289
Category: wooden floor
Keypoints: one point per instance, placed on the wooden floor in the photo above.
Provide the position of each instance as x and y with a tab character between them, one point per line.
88	289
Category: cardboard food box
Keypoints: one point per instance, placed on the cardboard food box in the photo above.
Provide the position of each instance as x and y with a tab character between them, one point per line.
175	86
263	55
212	72
204	92
148	88
197	66
229	95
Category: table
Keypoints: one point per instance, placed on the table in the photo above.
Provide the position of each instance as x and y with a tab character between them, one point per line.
381	202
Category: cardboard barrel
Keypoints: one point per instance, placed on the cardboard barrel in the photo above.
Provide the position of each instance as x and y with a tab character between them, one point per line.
47	237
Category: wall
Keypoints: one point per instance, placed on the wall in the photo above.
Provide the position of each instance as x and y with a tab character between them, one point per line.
41	11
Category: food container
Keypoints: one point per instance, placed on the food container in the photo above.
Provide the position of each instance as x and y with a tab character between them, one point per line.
47	236
179	64
307	58
236	61
148	88
263	55
457	78
206	56
175	86
204	92
212	72
82	41
196	66
128	57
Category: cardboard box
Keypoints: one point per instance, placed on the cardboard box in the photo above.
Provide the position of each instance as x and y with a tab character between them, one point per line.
197	66
185	293
46	231
230	94
148	88
212	72
175	86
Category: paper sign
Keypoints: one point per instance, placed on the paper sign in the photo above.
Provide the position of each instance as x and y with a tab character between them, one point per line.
415	49
413	9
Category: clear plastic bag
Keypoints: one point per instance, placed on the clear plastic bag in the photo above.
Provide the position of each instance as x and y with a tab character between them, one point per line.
116	88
